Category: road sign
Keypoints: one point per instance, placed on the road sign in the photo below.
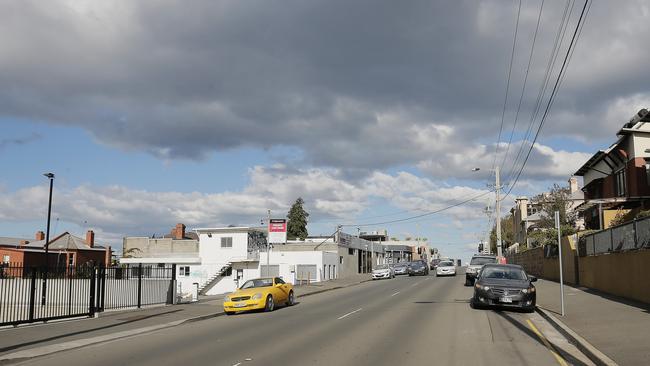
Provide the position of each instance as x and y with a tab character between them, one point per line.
277	231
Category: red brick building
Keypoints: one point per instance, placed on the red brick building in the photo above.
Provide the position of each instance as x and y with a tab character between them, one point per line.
65	250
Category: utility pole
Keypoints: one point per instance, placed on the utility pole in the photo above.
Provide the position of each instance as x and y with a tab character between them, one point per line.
50	176
559	246
498	209
268	245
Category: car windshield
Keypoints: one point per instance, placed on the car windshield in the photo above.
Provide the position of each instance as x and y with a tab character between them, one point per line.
446	264
503	273
261	282
382	266
479	261
416	264
400	265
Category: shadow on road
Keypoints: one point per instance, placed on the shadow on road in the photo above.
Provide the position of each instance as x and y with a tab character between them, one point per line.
126	321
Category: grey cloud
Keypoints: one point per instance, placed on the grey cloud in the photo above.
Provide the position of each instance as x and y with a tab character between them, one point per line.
183	81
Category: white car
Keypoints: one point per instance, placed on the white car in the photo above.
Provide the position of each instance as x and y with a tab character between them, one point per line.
383	271
446	268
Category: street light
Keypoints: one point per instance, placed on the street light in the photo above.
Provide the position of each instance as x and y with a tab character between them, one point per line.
49	176
497	189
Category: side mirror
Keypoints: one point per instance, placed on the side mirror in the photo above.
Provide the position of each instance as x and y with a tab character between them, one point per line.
533	278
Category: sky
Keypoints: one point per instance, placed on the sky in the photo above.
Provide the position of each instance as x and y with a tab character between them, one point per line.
212	112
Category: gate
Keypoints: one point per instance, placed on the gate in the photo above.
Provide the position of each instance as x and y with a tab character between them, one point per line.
28	295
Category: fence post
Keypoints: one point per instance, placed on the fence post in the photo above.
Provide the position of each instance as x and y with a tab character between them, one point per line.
102	288
172	287
139	285
611	239
93	287
32	294
636	237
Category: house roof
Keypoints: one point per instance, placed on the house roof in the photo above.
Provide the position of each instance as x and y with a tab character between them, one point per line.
14	242
65	241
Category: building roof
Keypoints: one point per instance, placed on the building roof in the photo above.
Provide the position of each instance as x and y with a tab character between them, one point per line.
14	242
229	229
65	241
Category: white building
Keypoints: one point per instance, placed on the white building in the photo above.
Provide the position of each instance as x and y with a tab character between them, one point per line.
225	257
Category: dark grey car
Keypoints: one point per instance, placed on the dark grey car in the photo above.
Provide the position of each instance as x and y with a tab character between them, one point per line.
505	285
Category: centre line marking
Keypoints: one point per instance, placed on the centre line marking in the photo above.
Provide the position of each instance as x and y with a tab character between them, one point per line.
350	313
415	284
394	294
548	345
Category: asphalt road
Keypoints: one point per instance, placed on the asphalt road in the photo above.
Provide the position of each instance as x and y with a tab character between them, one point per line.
404	321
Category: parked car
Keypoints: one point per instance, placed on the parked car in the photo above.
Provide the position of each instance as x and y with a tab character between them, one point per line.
504	285
401	268
383	271
446	268
475	266
418	268
259	293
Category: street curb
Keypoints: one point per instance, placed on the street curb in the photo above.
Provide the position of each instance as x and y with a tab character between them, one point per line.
66	346
582	344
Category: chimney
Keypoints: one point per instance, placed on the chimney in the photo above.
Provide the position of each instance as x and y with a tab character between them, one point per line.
107	256
573	184
90	238
179	231
24	242
40	235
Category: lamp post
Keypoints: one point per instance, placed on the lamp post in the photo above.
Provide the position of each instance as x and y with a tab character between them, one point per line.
50	176
497	189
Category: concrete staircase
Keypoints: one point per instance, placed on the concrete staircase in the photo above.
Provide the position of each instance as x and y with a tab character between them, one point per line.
214	279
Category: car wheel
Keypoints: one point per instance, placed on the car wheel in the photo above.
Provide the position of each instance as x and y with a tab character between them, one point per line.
230	312
291	299
468	282
269	303
474	304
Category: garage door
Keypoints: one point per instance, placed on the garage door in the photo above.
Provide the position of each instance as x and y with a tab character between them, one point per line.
270	271
307	272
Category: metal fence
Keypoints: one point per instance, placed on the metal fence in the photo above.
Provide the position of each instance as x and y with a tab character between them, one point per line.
629	236
28	295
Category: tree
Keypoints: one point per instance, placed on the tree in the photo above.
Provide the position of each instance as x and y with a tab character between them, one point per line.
297	225
507	234
557	199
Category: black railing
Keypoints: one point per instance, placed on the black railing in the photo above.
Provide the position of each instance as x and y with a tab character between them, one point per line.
79	291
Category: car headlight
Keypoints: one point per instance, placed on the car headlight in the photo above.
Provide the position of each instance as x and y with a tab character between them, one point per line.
528	290
484	288
227	298
257	296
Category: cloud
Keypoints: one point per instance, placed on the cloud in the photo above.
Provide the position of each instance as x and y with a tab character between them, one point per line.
117	211
6	142
406	84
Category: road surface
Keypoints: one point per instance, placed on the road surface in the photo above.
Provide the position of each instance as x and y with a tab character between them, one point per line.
403	321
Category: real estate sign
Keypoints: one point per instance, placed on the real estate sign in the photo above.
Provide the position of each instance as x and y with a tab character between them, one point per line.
278	231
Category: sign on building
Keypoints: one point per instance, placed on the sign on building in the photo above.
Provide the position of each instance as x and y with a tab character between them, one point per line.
278	231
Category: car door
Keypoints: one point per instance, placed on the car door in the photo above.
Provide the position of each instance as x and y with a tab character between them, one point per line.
281	289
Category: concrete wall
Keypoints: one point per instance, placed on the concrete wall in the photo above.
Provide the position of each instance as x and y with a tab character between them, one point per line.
148	247
620	273
623	274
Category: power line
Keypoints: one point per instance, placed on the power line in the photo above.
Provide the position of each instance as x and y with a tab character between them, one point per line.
551	99
559	36
523	89
505	102
422	215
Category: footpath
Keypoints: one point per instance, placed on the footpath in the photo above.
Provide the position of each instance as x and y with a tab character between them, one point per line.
44	338
612	329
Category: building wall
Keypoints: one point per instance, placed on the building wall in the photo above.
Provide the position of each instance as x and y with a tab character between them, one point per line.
15	256
348	263
211	252
148	247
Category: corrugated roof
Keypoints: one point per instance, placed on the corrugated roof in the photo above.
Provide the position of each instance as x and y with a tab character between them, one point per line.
11	241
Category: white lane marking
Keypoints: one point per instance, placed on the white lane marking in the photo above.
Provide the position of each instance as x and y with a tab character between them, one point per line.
394	294
415	284
350	313
237	364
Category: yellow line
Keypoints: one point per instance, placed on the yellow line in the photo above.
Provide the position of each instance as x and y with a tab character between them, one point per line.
548	345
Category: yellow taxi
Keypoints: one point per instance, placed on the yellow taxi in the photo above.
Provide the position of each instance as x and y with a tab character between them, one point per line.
259	293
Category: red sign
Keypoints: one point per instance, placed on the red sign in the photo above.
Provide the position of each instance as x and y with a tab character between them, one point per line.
278	231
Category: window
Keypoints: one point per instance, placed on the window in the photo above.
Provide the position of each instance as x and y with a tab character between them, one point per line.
350	251
647	171
226	242
340	259
621	182
279	280
5	259
272	270
71	259
183	271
